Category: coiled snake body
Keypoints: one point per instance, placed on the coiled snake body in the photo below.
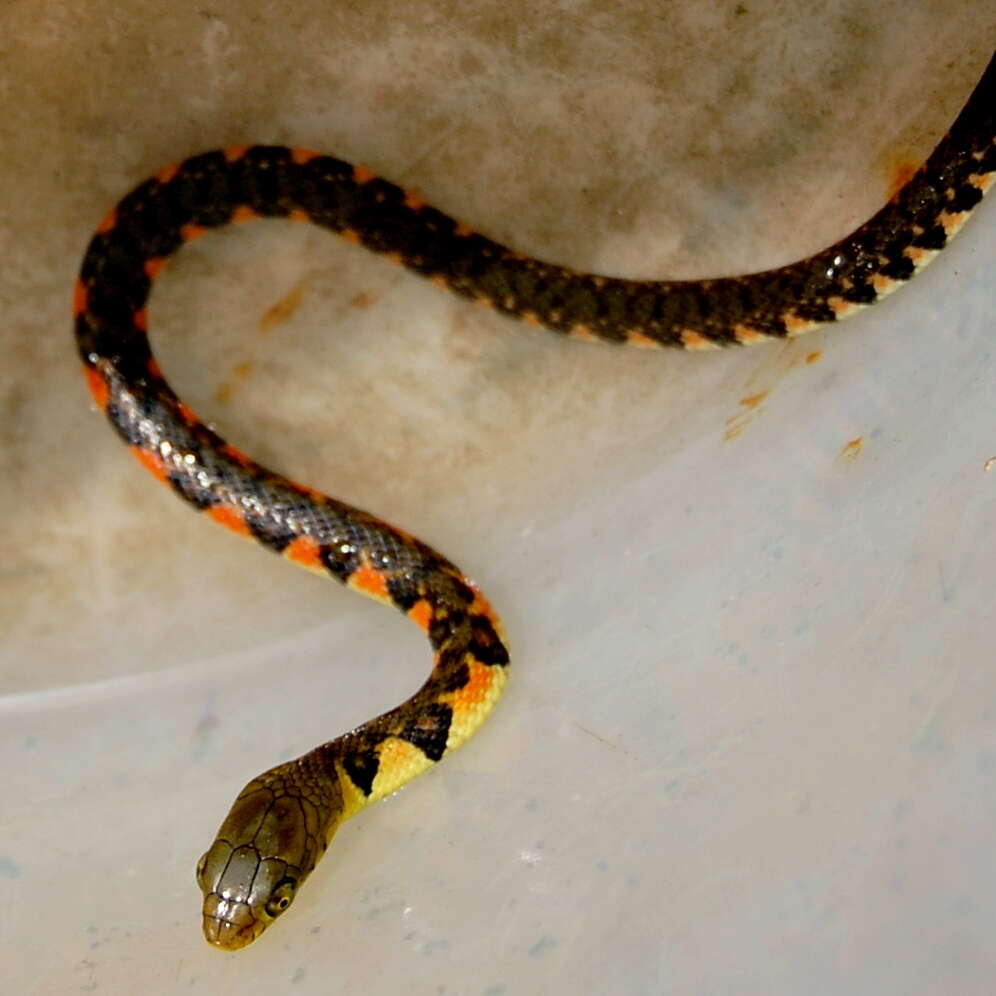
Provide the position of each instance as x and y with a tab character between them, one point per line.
282	821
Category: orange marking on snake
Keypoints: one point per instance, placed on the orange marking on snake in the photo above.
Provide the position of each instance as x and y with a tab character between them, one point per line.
244	213
841	307
79	299
230	518
370	581
882	284
918	256
98	387
397	754
150	462
235	454
298	215
363	175
421	614
305	551
168	172
583	333
302	156
413	201
303	489
982	181
108	222
696	341
795	325
190	232
462	229
477	688
153	266
140	319
351	235
235	152
640	341
153	367
747	336
186	414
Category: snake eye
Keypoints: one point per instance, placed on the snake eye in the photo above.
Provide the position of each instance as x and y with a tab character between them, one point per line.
281	897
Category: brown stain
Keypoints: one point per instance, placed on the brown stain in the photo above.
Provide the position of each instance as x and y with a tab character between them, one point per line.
239	374
989	464
805	359
752	401
363	300
734	430
787	359
736	424
852	450
279	312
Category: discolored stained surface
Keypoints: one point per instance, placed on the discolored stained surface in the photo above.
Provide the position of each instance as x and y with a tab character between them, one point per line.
773	678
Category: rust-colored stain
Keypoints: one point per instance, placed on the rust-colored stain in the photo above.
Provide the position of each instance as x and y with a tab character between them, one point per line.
789	358
237	375
852	450
363	300
901	174
752	401
806	359
278	313
736	424
734	430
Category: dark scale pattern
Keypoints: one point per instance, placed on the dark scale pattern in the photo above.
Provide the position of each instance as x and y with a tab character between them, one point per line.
361	766
283	820
429	730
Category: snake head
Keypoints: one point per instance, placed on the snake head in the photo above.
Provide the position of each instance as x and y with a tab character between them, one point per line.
267	846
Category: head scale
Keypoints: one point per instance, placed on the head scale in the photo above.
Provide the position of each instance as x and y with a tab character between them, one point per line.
267	846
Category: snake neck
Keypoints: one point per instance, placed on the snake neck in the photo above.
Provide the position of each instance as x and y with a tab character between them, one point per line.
468	675
282	822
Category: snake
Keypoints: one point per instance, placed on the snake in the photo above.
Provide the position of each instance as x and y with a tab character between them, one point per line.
283	820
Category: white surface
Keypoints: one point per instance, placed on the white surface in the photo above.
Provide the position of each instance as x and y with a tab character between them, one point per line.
750	741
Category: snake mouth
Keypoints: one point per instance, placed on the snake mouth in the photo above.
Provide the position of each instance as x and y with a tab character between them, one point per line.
227	935
229	925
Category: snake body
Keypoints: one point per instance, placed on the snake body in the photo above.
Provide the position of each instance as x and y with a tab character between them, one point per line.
282	821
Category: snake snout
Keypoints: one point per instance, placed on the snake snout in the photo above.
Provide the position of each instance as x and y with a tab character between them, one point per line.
228	924
243	894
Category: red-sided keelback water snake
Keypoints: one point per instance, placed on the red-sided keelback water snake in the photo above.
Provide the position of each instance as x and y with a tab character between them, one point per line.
282	821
